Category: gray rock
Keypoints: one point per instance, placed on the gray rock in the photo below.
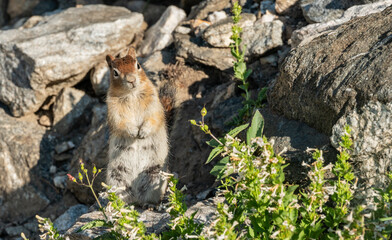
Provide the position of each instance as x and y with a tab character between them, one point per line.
73	233
262	37
92	151
15	231
182	30
216	16
2	12
258	36
22	8
62	157
64	146
60	181
347	81
23	147
151	12
316	11
203	195
311	31
267	5
68	219
202	10
69	107
188	49
371	131
292	139
52	169
32	225
100	78
157	62
160	34
218	34
155	222
40	61
284	6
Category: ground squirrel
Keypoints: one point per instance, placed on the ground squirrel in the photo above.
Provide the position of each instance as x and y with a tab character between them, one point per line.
138	143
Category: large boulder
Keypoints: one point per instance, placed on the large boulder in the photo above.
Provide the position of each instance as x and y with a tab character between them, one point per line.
23	146
344	77
311	31
59	52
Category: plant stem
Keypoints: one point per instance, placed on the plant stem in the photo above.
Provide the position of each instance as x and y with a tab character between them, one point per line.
212	135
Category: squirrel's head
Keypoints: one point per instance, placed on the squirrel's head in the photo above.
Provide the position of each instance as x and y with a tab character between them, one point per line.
125	72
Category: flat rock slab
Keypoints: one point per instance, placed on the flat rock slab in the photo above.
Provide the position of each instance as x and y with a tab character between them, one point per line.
344	77
192	50
58	52
155	222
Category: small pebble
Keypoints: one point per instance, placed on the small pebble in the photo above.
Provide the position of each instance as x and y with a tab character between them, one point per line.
52	169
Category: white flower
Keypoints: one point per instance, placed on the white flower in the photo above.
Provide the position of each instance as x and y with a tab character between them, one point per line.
275	234
243	149
285	223
273	170
270	209
350	217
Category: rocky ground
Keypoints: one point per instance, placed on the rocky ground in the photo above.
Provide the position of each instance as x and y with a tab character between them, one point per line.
326	63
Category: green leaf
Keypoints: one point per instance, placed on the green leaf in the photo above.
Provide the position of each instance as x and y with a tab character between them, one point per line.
214	153
247	73
238	75
93	224
385	219
220	167
213	143
262	94
237	130
107	236
243	87
256	129
251	232
241	67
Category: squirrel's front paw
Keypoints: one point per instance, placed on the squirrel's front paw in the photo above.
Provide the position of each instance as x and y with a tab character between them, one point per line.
133	132
144	132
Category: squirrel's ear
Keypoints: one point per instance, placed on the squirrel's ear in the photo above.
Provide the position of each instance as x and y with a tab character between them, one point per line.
132	52
109	59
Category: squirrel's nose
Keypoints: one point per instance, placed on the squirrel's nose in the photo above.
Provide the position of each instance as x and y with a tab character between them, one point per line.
130	78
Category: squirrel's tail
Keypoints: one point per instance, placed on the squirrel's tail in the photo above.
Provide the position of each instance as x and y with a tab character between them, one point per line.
167	96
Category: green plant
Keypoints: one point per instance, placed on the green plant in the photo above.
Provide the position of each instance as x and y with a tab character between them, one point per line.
240	70
180	225
89	183
380	219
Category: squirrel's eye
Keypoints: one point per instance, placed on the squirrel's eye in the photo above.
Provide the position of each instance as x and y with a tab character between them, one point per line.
138	66
115	73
